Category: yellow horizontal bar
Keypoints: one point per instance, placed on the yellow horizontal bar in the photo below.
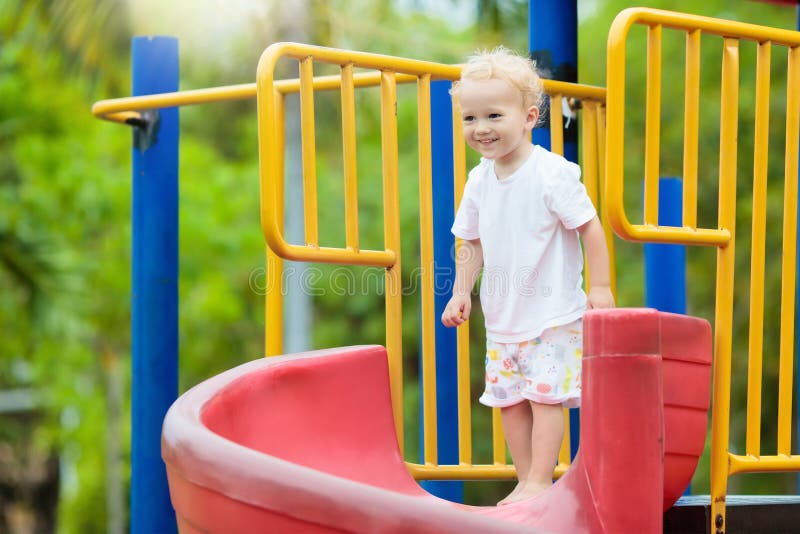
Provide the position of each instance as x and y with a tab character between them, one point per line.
370	258
574	90
124	109
118	109
676	235
763	464
365	60
334	82
470	472
123	117
685	21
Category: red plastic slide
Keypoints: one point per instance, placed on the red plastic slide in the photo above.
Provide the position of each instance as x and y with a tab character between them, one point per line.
306	442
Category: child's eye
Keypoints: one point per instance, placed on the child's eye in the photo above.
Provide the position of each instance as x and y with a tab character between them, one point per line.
495	115
468	118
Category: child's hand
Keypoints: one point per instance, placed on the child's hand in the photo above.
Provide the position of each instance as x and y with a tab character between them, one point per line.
457	310
600	297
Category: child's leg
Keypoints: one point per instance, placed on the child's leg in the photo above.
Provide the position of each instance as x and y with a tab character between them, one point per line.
546	436
517	426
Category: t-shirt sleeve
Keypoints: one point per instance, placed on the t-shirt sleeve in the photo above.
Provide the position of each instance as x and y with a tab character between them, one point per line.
567	197
465	224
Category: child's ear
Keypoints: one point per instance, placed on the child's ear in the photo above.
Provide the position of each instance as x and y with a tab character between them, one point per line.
533	116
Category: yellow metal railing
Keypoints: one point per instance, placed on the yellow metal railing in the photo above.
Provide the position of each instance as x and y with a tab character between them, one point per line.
723	236
387	73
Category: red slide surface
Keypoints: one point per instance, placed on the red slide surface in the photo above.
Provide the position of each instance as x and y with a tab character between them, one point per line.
306	442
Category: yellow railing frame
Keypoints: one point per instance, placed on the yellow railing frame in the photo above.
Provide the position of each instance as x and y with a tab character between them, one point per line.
393	70
386	72
723	462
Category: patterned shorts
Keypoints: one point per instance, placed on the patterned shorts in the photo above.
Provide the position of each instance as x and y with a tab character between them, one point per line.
545	370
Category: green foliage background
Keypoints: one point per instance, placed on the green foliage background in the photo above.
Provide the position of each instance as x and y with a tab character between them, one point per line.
65	208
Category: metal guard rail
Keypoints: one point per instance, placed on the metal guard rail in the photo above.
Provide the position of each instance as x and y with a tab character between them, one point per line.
724	463
387	71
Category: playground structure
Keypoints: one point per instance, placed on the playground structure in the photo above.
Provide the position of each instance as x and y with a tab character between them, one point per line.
328	461
598	144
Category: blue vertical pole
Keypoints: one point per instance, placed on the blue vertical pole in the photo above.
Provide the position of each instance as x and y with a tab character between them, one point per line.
444	265
154	299
553	44
665	265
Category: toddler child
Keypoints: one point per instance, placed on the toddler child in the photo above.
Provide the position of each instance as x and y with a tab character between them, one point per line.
520	219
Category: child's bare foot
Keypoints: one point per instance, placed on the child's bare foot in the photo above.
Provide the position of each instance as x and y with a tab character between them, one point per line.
511	497
525	491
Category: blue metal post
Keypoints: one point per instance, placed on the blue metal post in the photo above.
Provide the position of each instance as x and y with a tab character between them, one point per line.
444	265
665	265
154	299
553	44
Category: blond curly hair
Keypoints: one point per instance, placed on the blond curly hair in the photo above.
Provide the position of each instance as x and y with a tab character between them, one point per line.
505	64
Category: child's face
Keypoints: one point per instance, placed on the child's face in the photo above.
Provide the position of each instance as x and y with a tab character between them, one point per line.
495	121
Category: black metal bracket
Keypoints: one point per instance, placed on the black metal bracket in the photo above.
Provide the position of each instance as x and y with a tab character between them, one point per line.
145	131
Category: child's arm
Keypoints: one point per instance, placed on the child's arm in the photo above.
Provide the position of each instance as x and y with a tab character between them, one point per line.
468	263
594	242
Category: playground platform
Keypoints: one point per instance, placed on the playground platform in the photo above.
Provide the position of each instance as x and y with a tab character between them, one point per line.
746	514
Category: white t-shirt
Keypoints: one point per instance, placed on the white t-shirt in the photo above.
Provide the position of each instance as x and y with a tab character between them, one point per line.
532	259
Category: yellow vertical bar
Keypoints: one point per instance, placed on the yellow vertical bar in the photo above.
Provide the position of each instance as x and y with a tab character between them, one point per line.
350	161
589	151
690	128
273	305
459	155
788	264
756	336
426	260
273	302
614	136
720	420
652	142
601	149
590	164
556	125
498	438
565	452
309	151
391	232
462	333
